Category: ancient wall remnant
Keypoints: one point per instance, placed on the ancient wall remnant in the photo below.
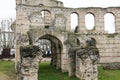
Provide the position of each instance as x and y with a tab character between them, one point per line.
28	66
49	19
89	58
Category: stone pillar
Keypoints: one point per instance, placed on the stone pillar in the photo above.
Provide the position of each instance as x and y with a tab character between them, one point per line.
68	27
29	64
17	56
89	57
82	23
72	62
58	66
88	70
117	25
99	17
64	62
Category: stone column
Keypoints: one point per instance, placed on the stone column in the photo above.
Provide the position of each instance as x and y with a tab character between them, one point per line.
64	62
29	64
117	23
72	62
99	17
89	57
88	70
82	23
68	27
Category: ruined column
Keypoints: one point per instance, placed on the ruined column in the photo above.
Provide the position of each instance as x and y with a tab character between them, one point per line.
29	64
89	57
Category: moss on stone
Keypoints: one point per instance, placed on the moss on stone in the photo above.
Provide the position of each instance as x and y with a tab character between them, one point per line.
29	51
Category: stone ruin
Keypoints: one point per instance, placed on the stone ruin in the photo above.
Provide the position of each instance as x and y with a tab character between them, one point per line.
89	58
49	19
86	56
28	66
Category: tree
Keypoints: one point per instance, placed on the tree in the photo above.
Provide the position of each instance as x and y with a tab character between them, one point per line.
7	37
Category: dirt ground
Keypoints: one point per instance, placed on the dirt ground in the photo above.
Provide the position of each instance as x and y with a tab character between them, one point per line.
3	76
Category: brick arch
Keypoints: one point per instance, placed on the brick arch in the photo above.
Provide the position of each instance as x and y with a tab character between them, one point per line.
46	10
111	12
74	12
56	48
51	38
91	13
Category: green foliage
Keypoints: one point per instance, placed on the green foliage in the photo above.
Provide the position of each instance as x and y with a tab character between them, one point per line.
29	51
46	72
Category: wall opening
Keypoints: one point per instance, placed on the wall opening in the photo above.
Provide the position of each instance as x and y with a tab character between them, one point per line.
46	16
109	23
45	46
89	21
74	21
52	48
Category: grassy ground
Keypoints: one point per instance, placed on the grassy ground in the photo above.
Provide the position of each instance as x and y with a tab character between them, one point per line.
46	72
109	74
53	74
7	70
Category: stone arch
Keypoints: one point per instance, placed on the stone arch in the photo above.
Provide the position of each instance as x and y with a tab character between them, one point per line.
41	4
109	22
91	41
46	16
74	20
56	49
90	21
45	11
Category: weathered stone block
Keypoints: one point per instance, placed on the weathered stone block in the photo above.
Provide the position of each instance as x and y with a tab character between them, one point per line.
111	66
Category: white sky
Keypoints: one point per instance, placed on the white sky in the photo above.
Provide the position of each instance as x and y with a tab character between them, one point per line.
7	7
91	3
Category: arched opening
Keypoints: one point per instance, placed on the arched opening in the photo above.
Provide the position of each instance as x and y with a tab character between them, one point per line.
109	23
74	21
52	48
89	21
47	18
45	14
91	41
45	46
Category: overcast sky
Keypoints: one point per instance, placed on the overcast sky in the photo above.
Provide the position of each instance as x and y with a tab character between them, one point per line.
91	3
7	7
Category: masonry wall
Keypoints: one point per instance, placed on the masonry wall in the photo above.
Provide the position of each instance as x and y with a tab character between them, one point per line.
29	17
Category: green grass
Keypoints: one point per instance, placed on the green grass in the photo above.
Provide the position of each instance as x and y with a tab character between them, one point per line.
46	72
7	70
108	74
